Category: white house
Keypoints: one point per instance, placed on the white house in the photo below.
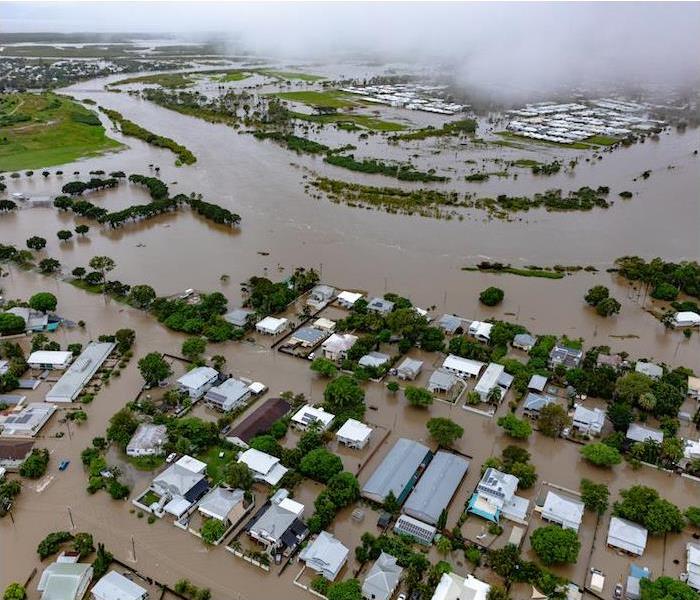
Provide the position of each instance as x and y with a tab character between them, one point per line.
320	295
309	415
380	305
374	359
627	536
148	440
28	422
196	383
409	369
649	369
383	578
354	434
49	359
223	504
324	324
480	330
455	587
588	421
66	579
229	395
264	467
325	555
272	325
336	347
490	380
114	586
462	367
693	566
686	319
493	494
348	299
563	510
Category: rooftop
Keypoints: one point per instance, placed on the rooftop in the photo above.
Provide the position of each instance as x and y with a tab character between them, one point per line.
197	377
354	430
80	372
308	414
640	433
147	436
114	586
260	419
396	471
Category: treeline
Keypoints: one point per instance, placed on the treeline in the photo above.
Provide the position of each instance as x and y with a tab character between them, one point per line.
268	297
293	142
404	172
667	279
584	198
213	212
75	188
184	156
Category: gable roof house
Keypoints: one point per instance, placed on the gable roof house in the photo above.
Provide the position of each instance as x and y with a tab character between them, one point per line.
265	468
336	347
418	530
398	472
494	377
325	555
562	509
278	526
537	383
627	536
649	369
347	299
686	318
179	488
495	490
34	320
381	306
272	325
223	504
524	341
694	387
441	382
693	565
228	395
13	453
28	422
563	355
450	323
462	367
374	359
66	579
258	421
196	383
148	440
354	434
455	587
409	369
114	586
320	295
309	415
534	403
587	420
307	337
480	330
383	578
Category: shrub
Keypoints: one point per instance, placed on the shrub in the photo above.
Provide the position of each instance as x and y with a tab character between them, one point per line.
491	296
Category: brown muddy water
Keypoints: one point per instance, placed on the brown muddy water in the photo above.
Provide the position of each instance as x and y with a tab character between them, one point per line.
417	257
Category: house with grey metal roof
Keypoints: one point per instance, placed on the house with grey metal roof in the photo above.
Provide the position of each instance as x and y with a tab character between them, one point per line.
223	504
537	383
534	403
588	420
325	555
114	586
228	395
148	440
563	509
524	341
65	580
320	295
627	536
71	383
380	305
441	382
637	432
240	317
383	578
436	487
398	472
28	422
278	525
307	337
450	323
196	383
649	369
409	369
374	359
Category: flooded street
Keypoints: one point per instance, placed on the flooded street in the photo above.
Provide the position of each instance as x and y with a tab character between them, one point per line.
283	228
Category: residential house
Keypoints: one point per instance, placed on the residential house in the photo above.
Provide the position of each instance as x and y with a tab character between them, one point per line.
309	415
480	330
456	587
336	347
441	382
418	530
381	306
13	453
179	487
34	320
324	324
450	323
114	586
686	319
588	421
196	383
272	325
398	472
524	341
325	555
229	395
537	383
148	440
694	387
435	489
633	586
627	536
223	504
383	578
347	299
493	495
534	403
49	359
278	526
354	434
66	579
693	565
240	317
562	509
637	432
264	467
494	377
80	372
374	360
28	422
462	367
409	369
307	337
564	355
649	369
320	296
609	360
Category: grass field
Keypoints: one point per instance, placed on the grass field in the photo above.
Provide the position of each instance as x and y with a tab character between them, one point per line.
521	272
326	99
291	75
166	80
602	140
57	131
349	121
232	76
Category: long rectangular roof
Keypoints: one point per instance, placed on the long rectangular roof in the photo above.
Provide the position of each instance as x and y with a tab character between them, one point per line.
490	378
80	372
115	586
627	535
463	365
436	487
396	470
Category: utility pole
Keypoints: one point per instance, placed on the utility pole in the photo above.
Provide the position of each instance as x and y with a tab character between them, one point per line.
133	548
70	516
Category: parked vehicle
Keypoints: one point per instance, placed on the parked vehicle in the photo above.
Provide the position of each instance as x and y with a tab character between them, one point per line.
63	465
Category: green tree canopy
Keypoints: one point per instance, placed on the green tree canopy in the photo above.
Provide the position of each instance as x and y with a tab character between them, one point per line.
596	294
14	591
555	545
444	431
43	301
324	367
418	397
643	505
491	296
238	475
212	530
154	368
601	455
516	428
594	495
553	419
666	588
344	398
121	427
193	348
321	465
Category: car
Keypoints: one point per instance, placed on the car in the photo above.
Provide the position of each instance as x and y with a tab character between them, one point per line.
617	593
171	457
63	465
402	596
311	355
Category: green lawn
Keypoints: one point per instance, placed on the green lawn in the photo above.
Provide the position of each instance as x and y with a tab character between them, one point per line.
58	131
149	498
234	76
602	140
326	99
166	80
216	465
291	75
347	120
146	463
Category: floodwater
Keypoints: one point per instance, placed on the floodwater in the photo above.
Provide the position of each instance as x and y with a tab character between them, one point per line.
419	258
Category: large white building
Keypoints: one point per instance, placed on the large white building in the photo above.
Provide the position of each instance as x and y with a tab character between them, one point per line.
263	466
114	586
196	383
49	359
354	434
462	367
67	388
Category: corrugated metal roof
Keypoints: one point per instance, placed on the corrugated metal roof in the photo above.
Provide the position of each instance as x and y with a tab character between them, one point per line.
396	470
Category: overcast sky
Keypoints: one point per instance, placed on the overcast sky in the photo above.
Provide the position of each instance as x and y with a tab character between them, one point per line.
501	43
